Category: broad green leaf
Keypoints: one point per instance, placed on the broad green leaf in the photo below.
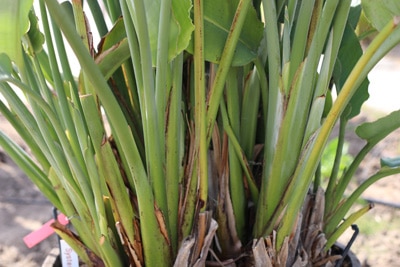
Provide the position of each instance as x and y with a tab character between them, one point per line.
14	23
35	36
349	53
113	49
354	16
109	60
218	17
181	26
380	128
114	36
390	162
379	13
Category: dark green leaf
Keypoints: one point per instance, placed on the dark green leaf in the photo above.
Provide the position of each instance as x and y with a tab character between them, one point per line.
354	16
328	104
349	53
35	36
218	17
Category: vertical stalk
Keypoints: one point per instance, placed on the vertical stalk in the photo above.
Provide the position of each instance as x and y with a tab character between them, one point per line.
200	103
331	188
235	170
173	147
154	240
162	66
312	153
152	132
274	108
215	94
64	109
98	17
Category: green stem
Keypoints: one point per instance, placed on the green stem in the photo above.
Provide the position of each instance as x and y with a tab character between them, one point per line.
342	209
239	154
23	161
345	225
272	108
64	111
173	148
313	152
155	244
98	17
215	94
200	103
331	189
152	133
239	201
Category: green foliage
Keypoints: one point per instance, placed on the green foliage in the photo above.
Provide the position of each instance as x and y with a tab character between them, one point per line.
349	53
379	13
14	23
379	129
328	158
5	66
191	117
218	17
180	26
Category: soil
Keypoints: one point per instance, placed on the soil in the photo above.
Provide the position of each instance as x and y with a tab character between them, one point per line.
23	209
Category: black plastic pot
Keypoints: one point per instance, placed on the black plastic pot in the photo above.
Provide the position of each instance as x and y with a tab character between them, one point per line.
350	260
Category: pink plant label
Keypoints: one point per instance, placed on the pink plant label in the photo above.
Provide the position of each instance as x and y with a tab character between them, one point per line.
43	232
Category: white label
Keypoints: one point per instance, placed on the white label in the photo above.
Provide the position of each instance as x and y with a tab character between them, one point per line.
69	258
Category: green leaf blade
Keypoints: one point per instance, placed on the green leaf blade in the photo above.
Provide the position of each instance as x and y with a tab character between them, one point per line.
218	17
349	53
181	26
379	129
14	23
379	13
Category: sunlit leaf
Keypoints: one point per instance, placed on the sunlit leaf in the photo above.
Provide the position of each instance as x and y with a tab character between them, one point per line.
218	17
14	23
379	13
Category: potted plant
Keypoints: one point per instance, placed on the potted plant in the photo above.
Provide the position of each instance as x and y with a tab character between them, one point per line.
194	132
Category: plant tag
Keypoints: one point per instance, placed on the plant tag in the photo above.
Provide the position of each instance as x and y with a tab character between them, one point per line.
69	258
43	232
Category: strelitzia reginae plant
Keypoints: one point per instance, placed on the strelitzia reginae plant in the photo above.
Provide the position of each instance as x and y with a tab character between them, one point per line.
194	131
